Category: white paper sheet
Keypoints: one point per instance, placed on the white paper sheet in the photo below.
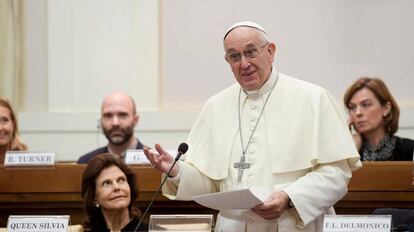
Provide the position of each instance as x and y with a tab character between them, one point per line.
237	199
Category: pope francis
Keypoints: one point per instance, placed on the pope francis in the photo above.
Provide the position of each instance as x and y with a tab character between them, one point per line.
268	129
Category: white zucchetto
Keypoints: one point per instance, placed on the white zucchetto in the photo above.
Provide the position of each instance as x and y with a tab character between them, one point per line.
244	24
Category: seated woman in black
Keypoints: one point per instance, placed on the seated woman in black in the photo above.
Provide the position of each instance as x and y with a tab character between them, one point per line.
374	114
109	191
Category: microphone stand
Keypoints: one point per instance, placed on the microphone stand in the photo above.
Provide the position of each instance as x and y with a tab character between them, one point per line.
158	190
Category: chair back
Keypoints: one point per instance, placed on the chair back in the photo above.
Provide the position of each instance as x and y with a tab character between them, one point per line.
402	219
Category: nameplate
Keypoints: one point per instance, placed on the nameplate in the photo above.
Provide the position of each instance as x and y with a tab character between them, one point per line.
357	223
23	158
136	157
21	223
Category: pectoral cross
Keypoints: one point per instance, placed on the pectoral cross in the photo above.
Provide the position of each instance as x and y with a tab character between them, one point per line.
241	166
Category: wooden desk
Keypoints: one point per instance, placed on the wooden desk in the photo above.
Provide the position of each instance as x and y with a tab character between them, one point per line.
57	191
379	185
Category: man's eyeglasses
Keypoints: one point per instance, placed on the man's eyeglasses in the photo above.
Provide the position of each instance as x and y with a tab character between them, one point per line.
251	53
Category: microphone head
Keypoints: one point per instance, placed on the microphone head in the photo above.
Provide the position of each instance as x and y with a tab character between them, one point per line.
182	148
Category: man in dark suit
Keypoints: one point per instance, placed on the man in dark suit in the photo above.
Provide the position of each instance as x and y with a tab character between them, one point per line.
118	120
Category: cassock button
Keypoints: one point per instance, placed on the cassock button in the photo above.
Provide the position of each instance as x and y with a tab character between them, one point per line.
252	107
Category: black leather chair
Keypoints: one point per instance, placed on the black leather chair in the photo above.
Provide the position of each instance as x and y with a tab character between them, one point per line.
402	219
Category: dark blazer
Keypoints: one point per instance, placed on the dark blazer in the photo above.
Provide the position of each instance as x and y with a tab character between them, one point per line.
404	149
85	158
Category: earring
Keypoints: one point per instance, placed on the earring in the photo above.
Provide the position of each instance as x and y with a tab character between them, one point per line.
97	205
385	114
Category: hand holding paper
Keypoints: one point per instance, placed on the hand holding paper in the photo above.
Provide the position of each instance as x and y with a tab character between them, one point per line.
273	207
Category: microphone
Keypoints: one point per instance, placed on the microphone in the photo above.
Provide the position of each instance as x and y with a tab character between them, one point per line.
182	149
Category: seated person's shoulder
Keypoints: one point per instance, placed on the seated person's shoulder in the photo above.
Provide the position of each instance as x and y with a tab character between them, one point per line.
404	148
405	142
88	156
409	141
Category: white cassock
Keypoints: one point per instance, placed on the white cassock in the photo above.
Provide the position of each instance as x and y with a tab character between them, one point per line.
301	146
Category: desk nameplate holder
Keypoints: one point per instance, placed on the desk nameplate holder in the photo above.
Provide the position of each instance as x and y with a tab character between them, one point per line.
38	223
29	159
181	223
357	223
137	156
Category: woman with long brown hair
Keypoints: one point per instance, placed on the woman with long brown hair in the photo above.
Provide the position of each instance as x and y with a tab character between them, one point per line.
9	136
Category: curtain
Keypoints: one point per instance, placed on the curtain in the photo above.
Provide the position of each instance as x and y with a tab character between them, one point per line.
11	50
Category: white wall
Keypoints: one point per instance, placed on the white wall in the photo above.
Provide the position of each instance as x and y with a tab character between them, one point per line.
168	55
327	42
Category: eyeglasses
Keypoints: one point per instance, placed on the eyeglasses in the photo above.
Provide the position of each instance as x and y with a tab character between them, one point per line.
251	53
